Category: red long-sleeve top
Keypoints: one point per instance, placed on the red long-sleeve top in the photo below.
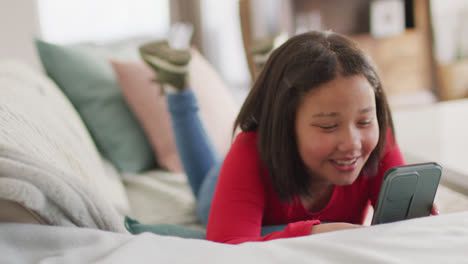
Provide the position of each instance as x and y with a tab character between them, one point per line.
244	201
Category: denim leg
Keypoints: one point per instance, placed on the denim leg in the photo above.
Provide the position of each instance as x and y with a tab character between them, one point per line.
266	230
205	196
195	148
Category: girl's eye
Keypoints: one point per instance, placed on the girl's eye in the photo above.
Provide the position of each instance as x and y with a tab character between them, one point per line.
327	128
365	122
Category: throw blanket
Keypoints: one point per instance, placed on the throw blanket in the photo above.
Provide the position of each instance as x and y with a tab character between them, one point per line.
48	162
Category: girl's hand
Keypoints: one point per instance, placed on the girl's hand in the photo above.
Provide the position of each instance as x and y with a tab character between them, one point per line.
322	228
434	210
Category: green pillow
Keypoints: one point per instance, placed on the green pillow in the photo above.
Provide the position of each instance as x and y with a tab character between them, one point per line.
135	227
87	79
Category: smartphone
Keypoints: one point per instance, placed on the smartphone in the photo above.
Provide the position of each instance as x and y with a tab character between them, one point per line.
407	192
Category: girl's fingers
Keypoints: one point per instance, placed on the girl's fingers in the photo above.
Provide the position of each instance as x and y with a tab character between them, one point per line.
435	210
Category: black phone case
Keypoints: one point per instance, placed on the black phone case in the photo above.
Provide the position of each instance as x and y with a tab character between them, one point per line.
407	192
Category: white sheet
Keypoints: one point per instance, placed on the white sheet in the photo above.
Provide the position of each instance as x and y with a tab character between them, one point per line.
439	239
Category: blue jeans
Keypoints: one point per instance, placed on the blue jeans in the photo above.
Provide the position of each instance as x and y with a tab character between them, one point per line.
199	158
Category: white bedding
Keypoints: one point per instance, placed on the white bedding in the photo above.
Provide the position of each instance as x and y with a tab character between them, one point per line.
439	239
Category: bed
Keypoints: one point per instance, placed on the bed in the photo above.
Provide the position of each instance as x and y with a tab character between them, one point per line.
52	171
438	239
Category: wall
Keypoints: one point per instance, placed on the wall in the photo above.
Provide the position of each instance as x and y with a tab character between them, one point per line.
76	21
450	20
102	21
19	23
222	41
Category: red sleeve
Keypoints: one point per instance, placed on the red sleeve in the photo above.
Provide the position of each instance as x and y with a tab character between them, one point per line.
240	198
392	157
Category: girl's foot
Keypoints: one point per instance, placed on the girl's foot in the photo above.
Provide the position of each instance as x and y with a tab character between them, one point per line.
170	65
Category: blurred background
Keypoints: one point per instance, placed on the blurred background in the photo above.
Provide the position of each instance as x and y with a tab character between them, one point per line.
419	46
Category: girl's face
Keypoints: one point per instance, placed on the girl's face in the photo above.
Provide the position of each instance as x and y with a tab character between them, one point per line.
337	129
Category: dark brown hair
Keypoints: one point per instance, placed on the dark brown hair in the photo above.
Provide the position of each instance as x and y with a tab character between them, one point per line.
303	63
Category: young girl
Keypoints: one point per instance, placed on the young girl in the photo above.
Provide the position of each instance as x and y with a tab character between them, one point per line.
316	138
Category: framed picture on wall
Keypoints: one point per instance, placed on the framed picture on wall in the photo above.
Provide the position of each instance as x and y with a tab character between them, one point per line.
387	18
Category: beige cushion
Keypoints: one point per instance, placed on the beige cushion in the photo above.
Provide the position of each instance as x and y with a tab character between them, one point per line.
11	211
217	107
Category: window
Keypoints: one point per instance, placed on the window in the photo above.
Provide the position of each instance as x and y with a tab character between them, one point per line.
101	21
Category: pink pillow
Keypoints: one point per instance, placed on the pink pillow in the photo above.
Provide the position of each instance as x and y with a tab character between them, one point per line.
149	106
217	108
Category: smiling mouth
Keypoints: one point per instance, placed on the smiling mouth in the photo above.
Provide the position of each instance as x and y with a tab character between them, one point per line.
345	165
345	162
